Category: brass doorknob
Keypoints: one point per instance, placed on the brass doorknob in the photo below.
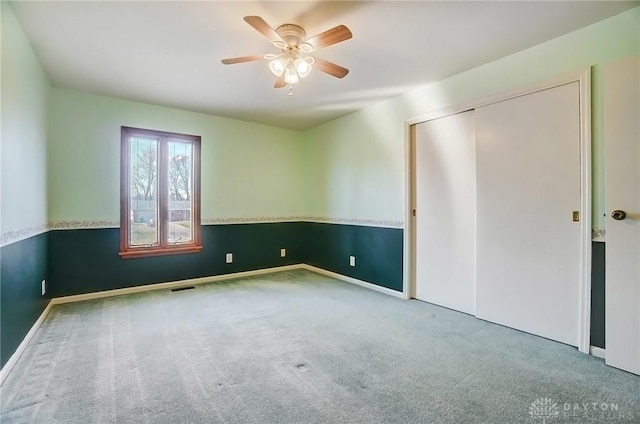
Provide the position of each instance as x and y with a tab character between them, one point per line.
618	215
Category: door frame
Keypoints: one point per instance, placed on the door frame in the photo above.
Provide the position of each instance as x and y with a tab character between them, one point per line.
583	77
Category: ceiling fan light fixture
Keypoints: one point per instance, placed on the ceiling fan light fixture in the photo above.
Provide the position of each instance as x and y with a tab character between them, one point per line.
303	65
277	67
291	75
305	47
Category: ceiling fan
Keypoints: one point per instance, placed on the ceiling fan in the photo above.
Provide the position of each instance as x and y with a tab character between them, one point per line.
295	60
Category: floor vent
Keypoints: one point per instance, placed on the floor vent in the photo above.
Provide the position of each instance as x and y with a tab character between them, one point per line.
183	288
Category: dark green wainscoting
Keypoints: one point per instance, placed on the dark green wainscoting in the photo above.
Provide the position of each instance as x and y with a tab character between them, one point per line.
23	265
378	252
85	261
597	293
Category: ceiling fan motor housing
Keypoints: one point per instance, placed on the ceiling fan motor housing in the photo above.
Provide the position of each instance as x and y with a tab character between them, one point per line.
292	34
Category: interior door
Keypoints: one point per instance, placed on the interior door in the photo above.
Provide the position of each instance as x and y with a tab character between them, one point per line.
445	223
622	169
528	185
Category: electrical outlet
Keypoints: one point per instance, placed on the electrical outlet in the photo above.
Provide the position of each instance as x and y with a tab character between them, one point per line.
44	287
229	258
283	253
352	261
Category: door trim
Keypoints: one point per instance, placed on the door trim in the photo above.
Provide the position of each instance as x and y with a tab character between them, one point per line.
583	77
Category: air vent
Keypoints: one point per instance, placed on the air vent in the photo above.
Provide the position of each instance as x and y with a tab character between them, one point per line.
183	288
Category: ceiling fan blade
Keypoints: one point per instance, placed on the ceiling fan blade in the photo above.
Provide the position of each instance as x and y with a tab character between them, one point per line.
280	82
263	28
330	68
241	59
330	37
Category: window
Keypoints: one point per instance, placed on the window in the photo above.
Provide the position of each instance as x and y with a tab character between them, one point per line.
159	193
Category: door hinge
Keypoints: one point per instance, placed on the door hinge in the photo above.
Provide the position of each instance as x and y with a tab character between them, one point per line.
413	212
576	216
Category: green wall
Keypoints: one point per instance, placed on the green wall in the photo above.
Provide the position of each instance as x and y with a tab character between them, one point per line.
356	163
249	171
25	88
23	213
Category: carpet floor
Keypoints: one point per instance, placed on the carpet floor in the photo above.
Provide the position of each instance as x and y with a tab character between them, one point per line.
299	347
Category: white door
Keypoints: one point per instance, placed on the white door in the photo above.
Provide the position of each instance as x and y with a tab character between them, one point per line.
528	184
622	168
445	199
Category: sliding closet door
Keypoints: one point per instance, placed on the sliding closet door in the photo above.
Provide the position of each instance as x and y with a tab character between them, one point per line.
445	223
528	184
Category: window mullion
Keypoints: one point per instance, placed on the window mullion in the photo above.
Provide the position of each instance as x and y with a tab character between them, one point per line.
163	192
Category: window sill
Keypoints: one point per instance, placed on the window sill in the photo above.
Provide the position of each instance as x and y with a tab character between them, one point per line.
165	251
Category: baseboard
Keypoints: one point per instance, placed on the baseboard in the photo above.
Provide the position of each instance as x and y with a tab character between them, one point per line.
598	352
353	281
4	372
170	285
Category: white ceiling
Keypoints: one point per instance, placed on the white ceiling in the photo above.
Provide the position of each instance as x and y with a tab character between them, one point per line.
168	52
